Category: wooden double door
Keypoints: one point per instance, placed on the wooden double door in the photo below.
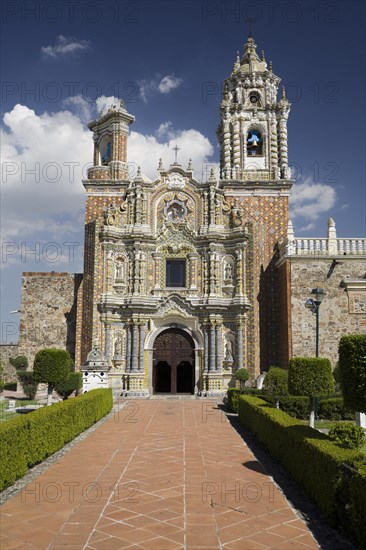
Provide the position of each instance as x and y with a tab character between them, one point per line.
173	363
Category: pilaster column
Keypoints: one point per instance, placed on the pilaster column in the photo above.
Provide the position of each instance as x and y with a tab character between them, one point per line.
236	147
205	349
218	347
108	340
212	362
141	346
135	336
193	270
96	150
128	347
239	340
227	149
157	265
239	271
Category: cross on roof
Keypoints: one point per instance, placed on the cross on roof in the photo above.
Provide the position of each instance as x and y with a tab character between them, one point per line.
176	149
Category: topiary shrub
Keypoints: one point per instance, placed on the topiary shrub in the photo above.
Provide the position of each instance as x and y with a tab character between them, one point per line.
347	435
20	362
242	375
352	367
276	383
51	366
74	382
310	376
29	385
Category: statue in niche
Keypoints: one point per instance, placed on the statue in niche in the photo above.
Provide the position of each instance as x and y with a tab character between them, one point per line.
118	346
119	270
228	271
229	350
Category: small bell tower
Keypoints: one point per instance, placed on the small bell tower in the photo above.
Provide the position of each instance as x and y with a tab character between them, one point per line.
253	128
110	133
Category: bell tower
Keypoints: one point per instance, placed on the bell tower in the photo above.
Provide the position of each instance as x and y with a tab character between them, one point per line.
256	180
253	128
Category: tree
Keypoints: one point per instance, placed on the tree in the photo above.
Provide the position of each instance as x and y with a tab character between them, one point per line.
51	366
74	382
352	367
276	383
20	362
242	375
29	385
310	376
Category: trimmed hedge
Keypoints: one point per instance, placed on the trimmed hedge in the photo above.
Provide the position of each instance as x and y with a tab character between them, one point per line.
334	408
233	395
352	367
314	462
29	439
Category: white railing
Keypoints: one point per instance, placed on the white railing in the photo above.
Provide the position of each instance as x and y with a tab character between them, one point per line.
323	247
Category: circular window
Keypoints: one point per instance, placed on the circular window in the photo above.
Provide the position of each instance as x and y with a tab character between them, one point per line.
253	98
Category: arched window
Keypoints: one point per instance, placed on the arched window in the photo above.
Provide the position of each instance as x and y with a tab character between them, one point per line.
254	144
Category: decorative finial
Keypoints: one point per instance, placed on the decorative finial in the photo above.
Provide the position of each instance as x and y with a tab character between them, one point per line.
284	92
190	166
138	172
160	167
237	63
176	149
121	105
263	58
226	91
270	66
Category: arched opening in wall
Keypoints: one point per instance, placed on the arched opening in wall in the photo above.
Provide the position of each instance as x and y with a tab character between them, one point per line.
173	362
105	150
254	143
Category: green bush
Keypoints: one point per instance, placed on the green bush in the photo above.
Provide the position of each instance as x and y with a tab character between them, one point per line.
29	439
51	366
348	435
74	382
314	462
352	366
10	386
311	376
333	408
2	382
28	383
20	362
276	383
242	375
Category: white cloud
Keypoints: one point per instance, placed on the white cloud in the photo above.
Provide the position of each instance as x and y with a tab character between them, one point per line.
309	200
81	107
104	102
168	83
145	150
66	45
165	85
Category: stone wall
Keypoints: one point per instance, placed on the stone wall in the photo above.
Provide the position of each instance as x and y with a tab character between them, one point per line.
48	312
6	351
343	310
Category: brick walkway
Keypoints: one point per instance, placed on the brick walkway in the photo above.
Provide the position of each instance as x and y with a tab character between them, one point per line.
160	474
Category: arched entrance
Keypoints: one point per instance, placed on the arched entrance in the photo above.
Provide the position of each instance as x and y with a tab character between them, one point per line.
173	362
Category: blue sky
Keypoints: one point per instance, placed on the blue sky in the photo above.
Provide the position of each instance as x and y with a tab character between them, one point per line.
168	61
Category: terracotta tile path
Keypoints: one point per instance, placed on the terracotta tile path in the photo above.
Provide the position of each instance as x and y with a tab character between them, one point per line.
160	474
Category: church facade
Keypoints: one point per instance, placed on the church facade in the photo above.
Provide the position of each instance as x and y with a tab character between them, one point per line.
186	281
